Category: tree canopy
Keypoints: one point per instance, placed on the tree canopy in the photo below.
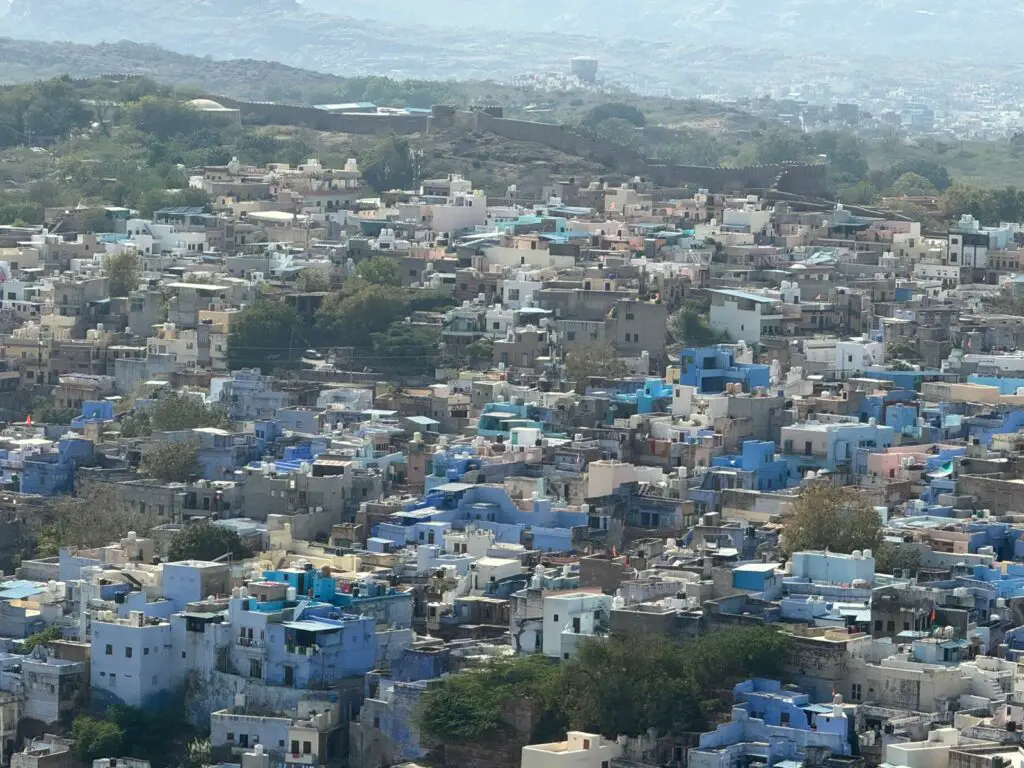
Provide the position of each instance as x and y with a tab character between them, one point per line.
621	685
391	164
827	517
350	319
206	541
593	360
613	111
123	269
173	412
379	270
88	521
264	334
171	462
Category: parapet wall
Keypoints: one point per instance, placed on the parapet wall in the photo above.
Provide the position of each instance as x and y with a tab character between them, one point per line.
321	120
795	178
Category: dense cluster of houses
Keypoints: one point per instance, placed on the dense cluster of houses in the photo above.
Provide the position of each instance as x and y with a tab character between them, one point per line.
408	530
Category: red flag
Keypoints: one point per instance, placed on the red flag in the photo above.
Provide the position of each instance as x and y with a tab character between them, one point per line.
933	616
28	419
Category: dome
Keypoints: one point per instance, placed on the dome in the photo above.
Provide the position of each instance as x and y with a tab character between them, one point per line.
207	105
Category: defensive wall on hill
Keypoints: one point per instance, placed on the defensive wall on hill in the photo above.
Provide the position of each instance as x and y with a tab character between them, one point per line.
794	178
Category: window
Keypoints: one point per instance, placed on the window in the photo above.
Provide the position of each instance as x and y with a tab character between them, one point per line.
307	748
513	294
243	739
906	626
289	676
109	650
855	691
295	747
230	736
784	718
565	655
890	626
570	335
280	743
376	721
586	743
255	668
128	652
630	316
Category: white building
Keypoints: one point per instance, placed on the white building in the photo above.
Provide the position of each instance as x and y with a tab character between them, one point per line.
571	618
745	316
579	750
857	355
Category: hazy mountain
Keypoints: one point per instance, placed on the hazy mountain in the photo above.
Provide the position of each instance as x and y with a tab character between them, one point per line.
699	46
934	29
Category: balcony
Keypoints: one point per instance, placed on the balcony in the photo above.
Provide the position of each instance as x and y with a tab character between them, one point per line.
249	642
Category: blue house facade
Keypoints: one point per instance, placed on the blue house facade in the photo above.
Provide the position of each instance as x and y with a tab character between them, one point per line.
710	369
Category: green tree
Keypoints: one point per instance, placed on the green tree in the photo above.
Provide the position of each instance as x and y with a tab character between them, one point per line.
935	172
911	184
827	517
264	335
350	320
312	279
780	145
48	635
171	462
481	353
163	117
613	111
593	360
87	521
391	164
891	556
617	130
95	739
468	708
902	349
197	755
206	541
690	325
46	411
406	348
257	148
53	110
181	411
379	270
124	270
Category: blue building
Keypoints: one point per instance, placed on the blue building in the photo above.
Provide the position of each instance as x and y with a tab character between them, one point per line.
49	474
710	369
488	507
94	412
307	644
771	725
499	419
757	468
382	602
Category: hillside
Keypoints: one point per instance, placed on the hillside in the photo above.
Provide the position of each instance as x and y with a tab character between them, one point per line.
23	61
921	29
458	39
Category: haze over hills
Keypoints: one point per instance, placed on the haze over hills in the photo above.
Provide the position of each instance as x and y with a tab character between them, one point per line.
736	46
919	29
